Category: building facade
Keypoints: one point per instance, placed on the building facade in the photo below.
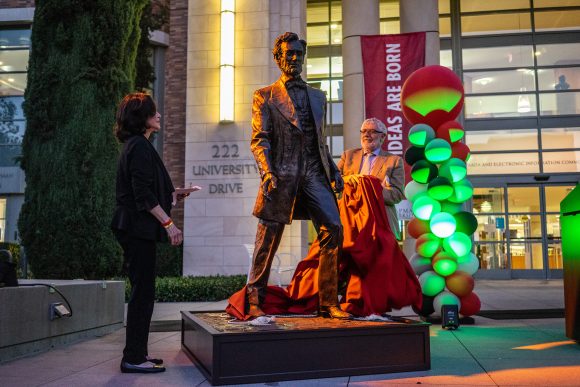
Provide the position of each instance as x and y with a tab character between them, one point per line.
519	61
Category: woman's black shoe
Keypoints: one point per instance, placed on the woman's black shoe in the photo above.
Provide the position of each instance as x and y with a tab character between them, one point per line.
143	368
154	361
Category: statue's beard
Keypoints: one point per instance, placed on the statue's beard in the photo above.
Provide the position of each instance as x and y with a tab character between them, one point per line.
289	70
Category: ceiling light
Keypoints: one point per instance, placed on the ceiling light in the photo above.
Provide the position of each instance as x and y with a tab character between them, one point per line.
333	26
336	40
483	81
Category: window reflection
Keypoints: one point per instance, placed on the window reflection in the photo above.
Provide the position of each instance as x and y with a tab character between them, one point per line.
556	20
560	79
496	23
558	138
488	201
491	255
15	38
526	256
523	199
497	57
553	104
499	81
558	54
500	140
492	5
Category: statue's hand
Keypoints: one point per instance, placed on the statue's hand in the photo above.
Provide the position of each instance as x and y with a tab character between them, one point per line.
338	182
269	184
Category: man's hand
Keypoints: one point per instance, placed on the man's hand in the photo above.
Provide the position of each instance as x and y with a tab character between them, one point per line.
269	184
338	182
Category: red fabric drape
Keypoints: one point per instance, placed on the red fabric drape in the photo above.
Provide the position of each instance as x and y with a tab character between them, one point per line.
377	274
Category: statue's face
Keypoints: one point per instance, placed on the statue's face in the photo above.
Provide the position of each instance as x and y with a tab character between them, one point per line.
292	58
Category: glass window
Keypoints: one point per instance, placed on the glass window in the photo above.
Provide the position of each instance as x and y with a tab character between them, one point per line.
317	36
497	57
553	104
390	27
2	219
444	6
13	60
388	8
524	226
557	20
12	84
12	132
488	200
523	199
487	228
560	79
334	113
502	163
317	12
553	226
491	255
495	23
556	3
527	256
492	5
14	38
555	256
11	108
561	162
319	67
332	89
499	81
560	138
560	54
516	105
554	195
502	140
445	58
444	27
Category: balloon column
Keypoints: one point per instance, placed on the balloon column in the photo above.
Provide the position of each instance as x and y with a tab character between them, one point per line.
432	97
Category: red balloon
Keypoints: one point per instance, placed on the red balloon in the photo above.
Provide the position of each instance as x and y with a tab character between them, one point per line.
450	128
432	95
470	305
417	227
460	150
460	283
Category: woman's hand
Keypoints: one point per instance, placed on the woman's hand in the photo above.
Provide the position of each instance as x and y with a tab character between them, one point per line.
175	235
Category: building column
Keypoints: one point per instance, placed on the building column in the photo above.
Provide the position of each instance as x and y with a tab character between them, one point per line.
359	17
422	16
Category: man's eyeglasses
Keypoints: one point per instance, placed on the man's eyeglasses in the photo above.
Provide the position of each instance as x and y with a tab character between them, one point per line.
372	132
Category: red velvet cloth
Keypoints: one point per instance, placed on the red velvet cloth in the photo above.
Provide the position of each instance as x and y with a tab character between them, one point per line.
377	274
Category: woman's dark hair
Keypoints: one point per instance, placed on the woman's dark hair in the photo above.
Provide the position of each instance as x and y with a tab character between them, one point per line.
134	111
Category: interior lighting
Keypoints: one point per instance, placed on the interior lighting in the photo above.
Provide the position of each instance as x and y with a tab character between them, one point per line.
485	206
227	49
483	81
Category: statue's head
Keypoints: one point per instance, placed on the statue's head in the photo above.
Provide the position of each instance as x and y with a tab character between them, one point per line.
289	51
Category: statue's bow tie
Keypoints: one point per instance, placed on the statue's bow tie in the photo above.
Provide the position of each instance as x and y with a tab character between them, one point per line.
296	83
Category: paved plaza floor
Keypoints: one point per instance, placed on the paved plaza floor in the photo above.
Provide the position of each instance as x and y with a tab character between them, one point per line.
524	352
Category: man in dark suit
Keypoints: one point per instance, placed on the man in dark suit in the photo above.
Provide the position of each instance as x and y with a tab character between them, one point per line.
297	174
368	160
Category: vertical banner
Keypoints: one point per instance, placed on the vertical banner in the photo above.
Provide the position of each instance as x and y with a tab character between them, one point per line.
387	62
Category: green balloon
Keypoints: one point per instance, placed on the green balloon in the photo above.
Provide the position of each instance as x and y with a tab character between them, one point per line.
457	244
421	134
438	151
453	169
440	188
424	207
466	222
427	245
450	207
423	171
462	191
442	224
431	283
444	264
412	189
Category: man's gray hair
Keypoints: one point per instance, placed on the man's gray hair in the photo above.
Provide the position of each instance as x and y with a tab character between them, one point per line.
378	124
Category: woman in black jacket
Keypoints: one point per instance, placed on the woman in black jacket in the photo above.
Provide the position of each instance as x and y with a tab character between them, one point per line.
144	195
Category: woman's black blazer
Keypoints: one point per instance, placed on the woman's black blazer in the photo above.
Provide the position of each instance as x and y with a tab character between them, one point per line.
142	183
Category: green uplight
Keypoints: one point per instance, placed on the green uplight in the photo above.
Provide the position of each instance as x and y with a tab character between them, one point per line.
421	134
424	207
431	283
423	171
442	224
462	191
444	264
438	151
427	245
440	188
437	98
457	244
453	169
413	189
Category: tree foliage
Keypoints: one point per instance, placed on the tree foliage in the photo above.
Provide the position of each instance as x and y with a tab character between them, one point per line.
155	16
82	62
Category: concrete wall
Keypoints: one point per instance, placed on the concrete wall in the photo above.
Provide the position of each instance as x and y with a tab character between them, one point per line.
25	325
218	220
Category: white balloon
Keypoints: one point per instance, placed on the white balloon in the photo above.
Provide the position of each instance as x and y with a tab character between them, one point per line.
420	264
468	263
445	298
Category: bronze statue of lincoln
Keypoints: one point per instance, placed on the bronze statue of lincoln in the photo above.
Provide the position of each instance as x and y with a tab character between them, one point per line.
297	175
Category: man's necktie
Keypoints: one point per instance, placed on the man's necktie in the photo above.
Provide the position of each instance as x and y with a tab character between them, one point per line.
366	167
